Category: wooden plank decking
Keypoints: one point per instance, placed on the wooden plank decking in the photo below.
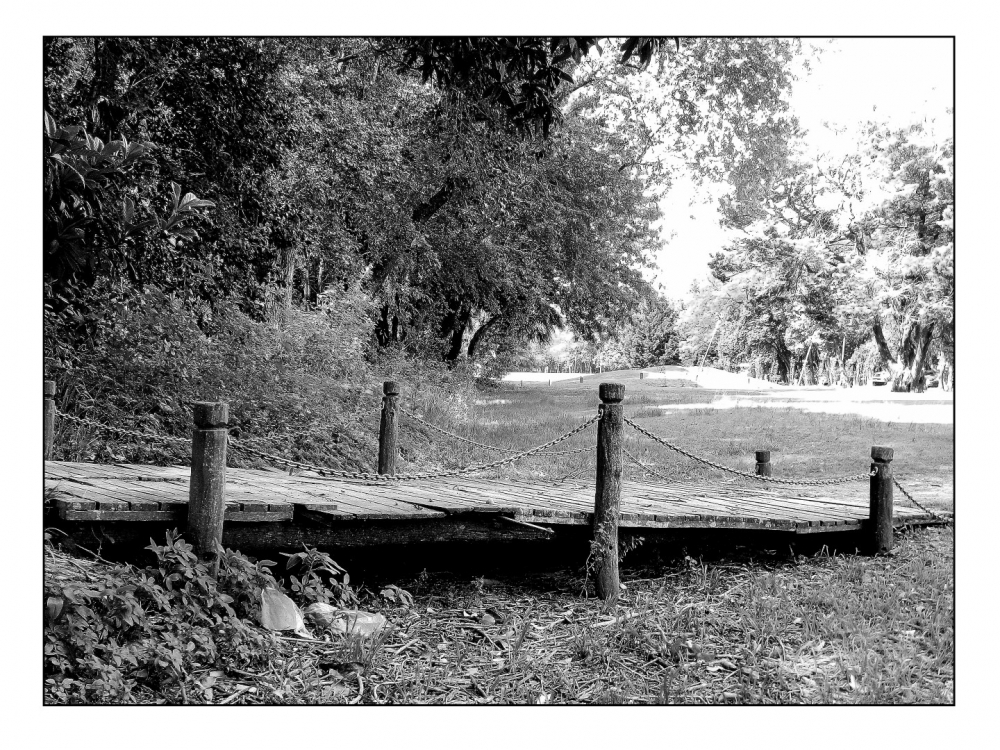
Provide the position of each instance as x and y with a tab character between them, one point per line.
128	492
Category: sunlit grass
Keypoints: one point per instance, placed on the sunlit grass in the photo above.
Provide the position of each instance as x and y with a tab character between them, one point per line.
803	444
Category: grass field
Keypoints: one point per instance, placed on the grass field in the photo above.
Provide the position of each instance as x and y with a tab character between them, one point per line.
741	626
803	444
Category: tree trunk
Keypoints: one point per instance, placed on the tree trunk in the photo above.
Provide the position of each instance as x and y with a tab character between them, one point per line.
432	205
477	337
307	296
454	325
288	259
908	368
783	360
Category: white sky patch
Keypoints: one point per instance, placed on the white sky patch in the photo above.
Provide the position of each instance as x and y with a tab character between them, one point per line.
894	81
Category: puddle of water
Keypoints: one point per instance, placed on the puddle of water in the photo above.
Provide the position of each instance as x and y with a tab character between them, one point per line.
885	411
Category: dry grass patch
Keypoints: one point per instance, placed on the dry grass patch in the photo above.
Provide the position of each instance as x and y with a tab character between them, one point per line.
764	629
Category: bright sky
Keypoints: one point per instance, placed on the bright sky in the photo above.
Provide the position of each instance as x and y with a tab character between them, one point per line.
896	81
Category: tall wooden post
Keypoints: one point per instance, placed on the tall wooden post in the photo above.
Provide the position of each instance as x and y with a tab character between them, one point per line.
879	530
763	467
387	429
610	431
48	417
207	498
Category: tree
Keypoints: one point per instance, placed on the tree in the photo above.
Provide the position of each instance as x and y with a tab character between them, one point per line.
648	338
94	223
848	253
911	258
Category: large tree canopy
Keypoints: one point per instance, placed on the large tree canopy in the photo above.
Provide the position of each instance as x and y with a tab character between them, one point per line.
482	191
853	262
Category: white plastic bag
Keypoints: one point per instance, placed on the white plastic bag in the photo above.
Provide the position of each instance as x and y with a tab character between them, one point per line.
278	612
344	621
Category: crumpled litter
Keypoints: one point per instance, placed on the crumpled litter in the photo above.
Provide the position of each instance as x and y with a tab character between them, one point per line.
278	612
347	621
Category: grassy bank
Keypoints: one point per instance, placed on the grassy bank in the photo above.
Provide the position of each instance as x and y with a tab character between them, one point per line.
758	629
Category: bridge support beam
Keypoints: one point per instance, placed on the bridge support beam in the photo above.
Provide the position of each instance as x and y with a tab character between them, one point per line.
387	429
207	498
879	528
604	546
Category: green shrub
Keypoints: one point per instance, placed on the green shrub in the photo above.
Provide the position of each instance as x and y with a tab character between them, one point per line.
114	634
305	386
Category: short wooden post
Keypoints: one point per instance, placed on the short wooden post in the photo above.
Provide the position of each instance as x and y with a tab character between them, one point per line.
387	429
581	378
642	375
48	417
207	498
610	431
763	467
879	530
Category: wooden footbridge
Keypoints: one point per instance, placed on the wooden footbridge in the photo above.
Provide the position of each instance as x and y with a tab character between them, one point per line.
255	508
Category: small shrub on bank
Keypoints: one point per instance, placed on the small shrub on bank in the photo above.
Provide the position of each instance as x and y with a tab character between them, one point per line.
304	385
119	634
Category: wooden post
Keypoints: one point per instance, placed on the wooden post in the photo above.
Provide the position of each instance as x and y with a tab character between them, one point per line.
610	431
880	502
207	498
48	417
387	429
763	467
581	378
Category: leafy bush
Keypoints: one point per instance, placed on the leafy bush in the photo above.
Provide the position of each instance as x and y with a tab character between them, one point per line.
317	579
115	634
304	385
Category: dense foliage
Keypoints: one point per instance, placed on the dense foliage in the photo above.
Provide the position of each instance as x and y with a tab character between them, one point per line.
850	271
124	634
279	222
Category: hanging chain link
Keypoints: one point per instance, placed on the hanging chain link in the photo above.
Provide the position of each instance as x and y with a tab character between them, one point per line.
910	498
128	433
456	436
747	474
327	471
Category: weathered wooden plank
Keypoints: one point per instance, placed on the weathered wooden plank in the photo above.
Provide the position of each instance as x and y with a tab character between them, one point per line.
762	507
254	507
380	499
822	529
142	505
73	503
134	489
122	515
129	491
257	517
337	516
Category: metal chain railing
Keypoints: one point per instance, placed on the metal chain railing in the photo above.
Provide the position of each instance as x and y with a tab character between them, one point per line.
327	471
240	445
456	436
747	474
909	497
122	431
